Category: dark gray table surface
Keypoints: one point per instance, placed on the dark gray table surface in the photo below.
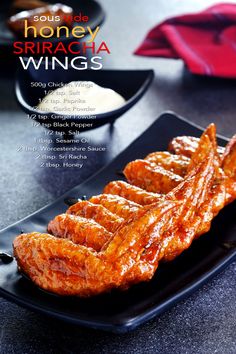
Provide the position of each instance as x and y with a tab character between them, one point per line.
203	323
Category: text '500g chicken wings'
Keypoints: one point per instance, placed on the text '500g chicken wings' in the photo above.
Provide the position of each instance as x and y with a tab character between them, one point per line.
118	238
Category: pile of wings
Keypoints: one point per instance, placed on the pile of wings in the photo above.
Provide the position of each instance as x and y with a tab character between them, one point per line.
118	238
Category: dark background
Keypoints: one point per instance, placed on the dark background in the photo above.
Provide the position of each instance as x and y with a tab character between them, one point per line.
205	322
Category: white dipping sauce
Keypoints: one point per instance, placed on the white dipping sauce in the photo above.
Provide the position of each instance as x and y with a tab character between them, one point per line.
81	98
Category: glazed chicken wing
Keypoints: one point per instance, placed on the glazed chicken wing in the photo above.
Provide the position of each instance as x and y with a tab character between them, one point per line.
153	178
186	145
177	164
116	204
153	233
190	146
130	192
98	213
79	230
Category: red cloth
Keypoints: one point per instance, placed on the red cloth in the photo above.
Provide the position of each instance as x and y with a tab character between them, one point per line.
206	41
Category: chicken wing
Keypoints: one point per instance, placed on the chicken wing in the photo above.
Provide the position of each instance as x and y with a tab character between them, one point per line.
217	194
186	145
116	204
152	178
177	164
60	266
156	232
98	213
79	230
130	192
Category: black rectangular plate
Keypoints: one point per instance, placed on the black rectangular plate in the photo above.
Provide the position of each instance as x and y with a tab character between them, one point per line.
123	311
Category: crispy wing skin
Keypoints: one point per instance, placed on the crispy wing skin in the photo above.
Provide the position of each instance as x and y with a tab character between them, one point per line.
116	204
148	176
133	193
177	164
79	230
98	213
186	145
